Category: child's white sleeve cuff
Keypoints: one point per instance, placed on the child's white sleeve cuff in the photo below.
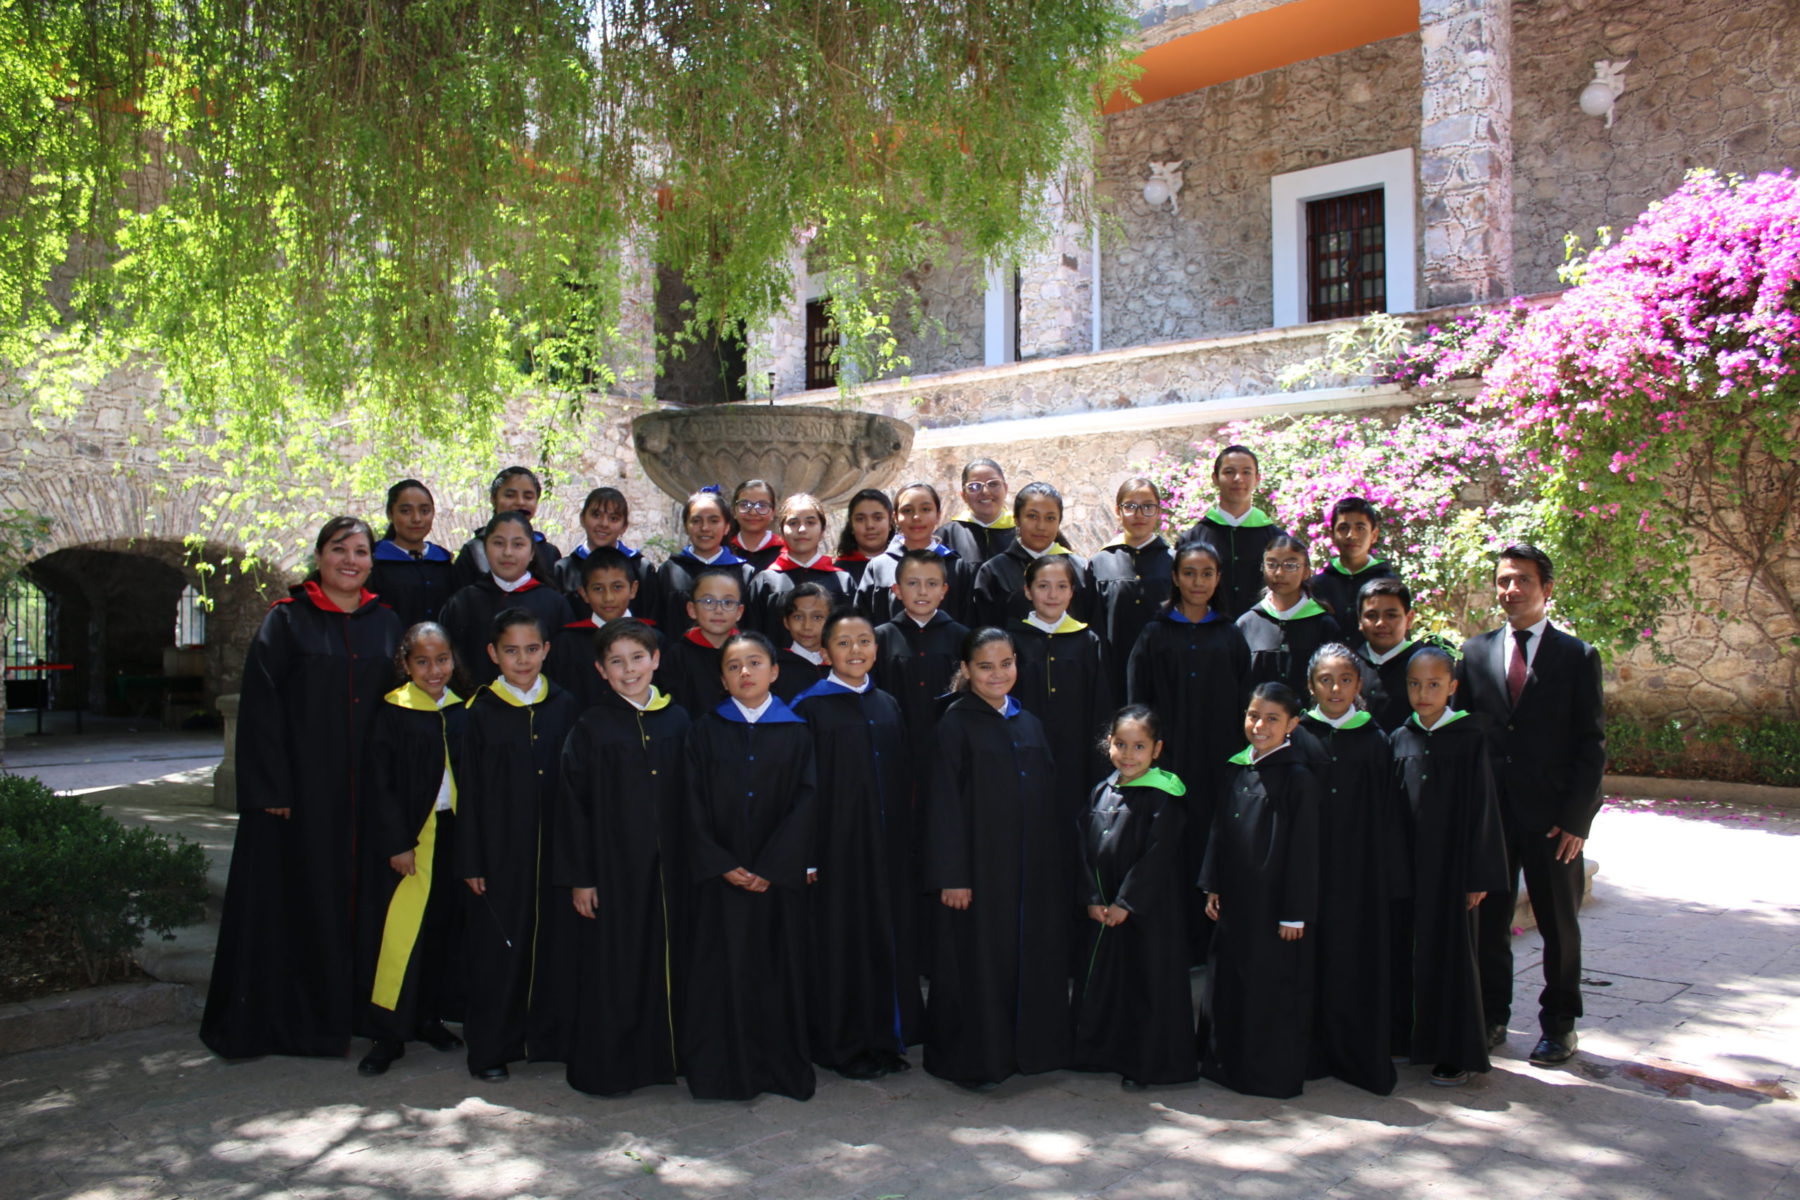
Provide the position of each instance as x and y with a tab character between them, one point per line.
1292	924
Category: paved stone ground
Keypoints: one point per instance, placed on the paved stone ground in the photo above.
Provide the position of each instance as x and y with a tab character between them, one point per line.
1683	1089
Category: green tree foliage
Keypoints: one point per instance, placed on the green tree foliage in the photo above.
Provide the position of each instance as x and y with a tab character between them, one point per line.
336	225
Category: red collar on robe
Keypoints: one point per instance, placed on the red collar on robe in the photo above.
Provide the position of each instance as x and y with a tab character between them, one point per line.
695	636
785	564
317	595
774	540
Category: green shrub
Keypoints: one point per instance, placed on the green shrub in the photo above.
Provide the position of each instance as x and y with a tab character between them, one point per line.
1766	750
80	884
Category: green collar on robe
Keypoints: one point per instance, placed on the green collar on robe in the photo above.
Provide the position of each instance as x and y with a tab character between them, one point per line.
1256	518
1159	779
1337	564
1456	714
1247	756
1308	608
1356	720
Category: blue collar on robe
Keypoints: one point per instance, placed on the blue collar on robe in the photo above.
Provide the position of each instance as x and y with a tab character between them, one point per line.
582	551
726	557
778	713
1212	614
830	687
387	551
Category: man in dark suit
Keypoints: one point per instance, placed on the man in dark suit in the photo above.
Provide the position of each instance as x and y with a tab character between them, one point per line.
1538	691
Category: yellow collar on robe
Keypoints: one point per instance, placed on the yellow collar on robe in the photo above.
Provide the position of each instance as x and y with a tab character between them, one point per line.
414	698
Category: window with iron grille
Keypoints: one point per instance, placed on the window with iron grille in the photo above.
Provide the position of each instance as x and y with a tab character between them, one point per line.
190	618
1346	256
821	343
26	617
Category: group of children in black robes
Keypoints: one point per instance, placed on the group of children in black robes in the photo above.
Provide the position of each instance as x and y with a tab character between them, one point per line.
687	852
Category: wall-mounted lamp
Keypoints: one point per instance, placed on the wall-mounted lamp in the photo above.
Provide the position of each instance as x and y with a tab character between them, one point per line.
1164	185
1603	90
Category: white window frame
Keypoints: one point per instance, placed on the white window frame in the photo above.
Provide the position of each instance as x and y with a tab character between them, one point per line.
1288	197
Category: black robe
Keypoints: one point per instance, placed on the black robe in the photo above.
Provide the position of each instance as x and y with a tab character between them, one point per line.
875	597
1281	649
998	598
1134	1008
472	561
1064	681
770	587
572	662
1361	872
520	996
975	542
751	796
1130	588
415	588
1240	549
409	944
1456	848
567	577
469	615
1384	686
621	812
852	564
999	999
1263	861
675	587
914	664
1192	675
797	674
760	559
865	994
1336	588
692	672
283	978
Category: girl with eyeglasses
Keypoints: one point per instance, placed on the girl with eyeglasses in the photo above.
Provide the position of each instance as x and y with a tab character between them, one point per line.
1287	626
1131	573
989	527
754	505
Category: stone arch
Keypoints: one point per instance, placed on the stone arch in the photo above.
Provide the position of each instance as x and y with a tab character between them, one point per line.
113	614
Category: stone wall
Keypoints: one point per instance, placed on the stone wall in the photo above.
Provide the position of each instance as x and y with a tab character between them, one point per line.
1207	270
1712	83
945	331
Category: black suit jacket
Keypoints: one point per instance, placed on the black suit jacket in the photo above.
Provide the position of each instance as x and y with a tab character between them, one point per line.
1549	752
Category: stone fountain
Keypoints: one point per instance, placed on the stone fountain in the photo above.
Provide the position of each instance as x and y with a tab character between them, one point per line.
829	452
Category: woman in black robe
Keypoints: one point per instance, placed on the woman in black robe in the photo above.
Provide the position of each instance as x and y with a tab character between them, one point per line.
1457	857
751	791
621	812
1134	1009
1190	666
1002	861
1361	873
1261	877
519	927
283	973
865	1007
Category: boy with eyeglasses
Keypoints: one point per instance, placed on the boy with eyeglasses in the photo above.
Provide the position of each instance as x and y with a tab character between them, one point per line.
690	670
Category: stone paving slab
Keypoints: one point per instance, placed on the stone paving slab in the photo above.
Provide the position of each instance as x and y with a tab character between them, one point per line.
1683	1088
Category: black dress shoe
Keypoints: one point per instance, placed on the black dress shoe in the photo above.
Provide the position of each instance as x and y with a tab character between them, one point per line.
1554	1049
1496	1036
1132	1085
380	1057
863	1066
977	1085
895	1063
438	1038
492	1073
